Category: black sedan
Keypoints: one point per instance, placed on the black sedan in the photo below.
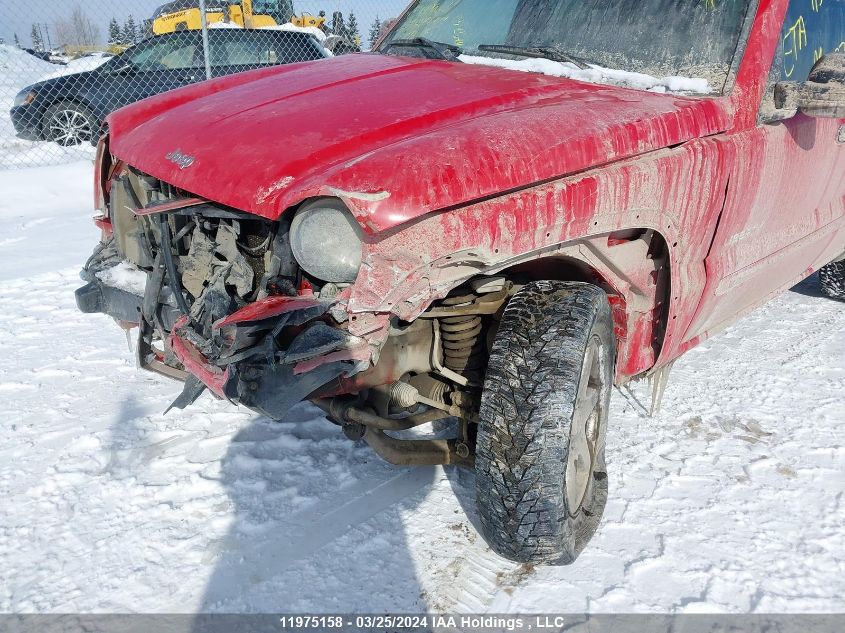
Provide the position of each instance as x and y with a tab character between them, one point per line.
70	109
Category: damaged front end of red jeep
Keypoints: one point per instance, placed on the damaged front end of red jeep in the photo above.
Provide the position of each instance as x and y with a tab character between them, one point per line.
220	299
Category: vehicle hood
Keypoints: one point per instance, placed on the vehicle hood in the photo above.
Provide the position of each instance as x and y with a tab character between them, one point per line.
394	137
63	81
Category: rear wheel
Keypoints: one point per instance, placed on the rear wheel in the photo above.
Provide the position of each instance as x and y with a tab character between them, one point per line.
68	123
541	479
832	280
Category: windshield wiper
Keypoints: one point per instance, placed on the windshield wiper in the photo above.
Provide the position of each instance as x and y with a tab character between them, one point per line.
449	52
543	52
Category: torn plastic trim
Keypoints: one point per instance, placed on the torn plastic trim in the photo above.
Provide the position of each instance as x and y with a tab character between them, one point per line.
195	363
360	353
252	369
273	307
274	390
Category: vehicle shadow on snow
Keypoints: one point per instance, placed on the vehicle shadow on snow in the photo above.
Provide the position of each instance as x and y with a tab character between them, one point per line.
809	287
318	523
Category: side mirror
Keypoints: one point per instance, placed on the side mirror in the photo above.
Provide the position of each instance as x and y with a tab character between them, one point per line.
822	95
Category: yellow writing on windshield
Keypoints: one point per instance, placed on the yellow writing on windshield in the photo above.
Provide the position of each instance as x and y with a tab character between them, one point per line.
459	31
794	42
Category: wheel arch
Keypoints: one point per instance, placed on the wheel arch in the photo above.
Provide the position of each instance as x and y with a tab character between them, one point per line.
633	267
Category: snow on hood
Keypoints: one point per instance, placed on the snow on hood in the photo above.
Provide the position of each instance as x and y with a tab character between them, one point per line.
393	137
81	65
595	74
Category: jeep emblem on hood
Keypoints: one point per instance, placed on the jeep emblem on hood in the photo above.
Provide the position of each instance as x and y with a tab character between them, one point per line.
183	160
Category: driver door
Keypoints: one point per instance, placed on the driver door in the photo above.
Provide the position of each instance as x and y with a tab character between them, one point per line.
784	215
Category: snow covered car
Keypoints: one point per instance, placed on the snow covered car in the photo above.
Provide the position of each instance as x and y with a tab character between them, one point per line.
492	224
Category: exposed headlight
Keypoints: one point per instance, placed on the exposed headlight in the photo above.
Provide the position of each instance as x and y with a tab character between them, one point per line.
24	98
327	241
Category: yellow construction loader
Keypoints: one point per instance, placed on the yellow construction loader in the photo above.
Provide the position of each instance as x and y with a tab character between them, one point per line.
185	15
306	19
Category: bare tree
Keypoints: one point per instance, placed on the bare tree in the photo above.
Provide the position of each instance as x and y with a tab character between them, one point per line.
78	29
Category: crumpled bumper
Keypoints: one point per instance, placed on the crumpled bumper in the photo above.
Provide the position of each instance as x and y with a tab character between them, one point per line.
243	362
249	368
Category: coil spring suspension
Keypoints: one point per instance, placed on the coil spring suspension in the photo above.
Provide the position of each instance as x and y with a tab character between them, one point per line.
463	345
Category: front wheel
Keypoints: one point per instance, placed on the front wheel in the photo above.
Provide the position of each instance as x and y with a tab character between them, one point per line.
541	479
69	124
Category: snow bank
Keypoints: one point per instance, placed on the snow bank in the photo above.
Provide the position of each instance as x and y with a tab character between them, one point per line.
594	74
126	277
18	68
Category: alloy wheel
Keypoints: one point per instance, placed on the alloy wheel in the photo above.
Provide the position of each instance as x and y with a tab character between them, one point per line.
585	431
70	127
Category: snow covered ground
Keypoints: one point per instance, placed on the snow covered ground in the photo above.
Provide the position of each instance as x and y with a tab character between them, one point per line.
730	500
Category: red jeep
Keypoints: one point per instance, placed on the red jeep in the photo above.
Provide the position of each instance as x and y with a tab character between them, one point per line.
508	207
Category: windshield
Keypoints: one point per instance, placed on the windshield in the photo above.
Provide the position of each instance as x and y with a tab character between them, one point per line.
684	38
279	10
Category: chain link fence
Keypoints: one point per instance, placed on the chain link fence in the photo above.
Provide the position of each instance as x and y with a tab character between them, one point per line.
65	65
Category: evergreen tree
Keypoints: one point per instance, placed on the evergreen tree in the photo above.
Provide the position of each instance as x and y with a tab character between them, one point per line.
375	31
130	31
115	36
145	30
339	24
352	29
37	43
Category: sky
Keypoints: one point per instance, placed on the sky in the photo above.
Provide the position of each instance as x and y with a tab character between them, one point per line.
18	17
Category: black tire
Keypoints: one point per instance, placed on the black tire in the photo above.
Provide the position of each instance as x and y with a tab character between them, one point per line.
68	123
832	280
536	379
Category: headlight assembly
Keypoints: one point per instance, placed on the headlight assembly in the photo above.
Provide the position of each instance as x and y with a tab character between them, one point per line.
25	98
326	241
